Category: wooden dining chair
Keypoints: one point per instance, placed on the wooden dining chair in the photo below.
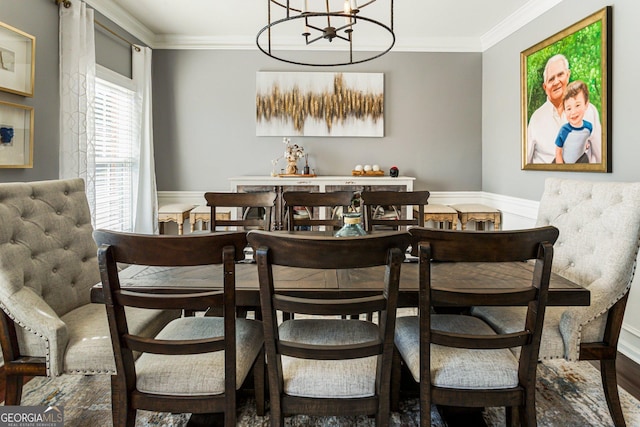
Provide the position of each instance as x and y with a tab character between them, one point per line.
384	209
331	202
195	364
329	366
599	225
457	359
248	204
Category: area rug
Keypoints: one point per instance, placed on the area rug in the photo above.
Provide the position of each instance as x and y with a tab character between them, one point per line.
568	395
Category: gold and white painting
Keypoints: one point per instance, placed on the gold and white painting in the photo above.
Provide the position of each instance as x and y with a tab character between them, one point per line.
319	104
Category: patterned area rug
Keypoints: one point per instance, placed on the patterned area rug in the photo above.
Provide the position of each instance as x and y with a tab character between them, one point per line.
568	395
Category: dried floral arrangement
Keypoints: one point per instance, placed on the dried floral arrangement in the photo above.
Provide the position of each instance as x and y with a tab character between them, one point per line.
291	154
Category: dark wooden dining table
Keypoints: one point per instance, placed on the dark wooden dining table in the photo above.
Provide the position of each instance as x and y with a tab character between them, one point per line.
331	283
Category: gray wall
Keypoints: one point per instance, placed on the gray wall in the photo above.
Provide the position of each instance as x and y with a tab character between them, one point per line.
501	135
111	51
204	120
40	19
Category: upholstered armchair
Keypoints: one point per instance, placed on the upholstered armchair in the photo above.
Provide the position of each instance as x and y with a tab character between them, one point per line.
599	225
48	264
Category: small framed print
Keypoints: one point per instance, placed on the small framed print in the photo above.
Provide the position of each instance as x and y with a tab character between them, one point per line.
17	60
16	136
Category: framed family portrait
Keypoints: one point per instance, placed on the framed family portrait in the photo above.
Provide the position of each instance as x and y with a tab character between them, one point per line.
565	95
17	60
16	135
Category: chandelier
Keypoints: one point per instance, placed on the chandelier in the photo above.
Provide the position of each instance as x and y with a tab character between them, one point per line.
341	27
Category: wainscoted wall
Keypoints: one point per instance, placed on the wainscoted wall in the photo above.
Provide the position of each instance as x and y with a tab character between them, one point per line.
516	213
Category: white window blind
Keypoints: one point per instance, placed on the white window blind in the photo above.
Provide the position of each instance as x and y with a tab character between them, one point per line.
114	149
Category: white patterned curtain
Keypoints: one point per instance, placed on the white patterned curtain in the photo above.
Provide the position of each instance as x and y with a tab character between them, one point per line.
145	200
77	93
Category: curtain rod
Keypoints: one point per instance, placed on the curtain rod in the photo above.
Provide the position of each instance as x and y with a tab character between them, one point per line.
136	47
67	4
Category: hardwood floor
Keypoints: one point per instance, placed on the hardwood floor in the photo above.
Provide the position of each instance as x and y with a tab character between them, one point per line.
628	375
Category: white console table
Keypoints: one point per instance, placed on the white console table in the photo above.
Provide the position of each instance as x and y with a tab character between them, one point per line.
320	184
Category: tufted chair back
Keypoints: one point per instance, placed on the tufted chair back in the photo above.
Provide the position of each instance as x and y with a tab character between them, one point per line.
46	246
599	225
48	264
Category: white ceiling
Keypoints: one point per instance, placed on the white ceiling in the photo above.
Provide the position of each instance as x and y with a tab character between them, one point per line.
420	25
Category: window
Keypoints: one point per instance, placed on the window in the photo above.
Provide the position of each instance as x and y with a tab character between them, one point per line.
114	151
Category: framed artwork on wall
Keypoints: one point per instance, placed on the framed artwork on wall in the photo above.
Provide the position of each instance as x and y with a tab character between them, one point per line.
16	136
566	98
17	60
319	104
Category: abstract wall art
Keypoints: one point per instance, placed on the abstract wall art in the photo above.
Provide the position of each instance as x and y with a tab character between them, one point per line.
320	104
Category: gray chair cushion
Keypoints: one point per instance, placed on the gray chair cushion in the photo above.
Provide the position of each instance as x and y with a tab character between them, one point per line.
329	378
457	367
552	346
89	350
197	374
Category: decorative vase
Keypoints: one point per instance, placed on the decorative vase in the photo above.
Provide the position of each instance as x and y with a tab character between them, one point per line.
292	167
352	225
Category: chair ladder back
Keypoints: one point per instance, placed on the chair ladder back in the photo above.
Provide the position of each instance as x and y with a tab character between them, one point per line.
329	200
450	331
327	307
245	201
373	200
351	338
201	336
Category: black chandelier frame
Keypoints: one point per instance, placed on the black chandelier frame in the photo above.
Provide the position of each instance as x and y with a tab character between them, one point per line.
328	33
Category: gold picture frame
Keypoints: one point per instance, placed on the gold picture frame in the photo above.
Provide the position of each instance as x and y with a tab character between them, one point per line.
16	135
17	60
566	77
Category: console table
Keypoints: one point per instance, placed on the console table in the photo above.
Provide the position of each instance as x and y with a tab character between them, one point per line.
319	184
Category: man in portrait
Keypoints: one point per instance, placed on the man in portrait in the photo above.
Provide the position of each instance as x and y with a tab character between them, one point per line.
547	120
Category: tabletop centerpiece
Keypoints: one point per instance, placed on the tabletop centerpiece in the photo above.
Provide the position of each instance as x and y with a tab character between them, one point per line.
292	153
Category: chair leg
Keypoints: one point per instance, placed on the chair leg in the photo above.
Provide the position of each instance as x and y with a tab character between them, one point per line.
259	383
121	413
275	408
508	416
396	379
13	389
610	386
527	412
425	403
382	417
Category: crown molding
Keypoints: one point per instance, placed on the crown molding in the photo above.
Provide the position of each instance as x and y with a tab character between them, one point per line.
508	26
515	21
444	44
438	44
123	19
